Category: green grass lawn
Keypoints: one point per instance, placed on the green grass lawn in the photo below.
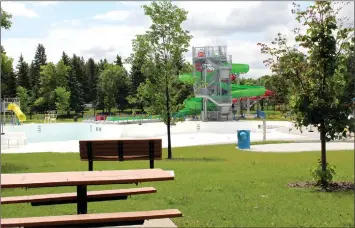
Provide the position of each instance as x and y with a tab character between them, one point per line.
214	186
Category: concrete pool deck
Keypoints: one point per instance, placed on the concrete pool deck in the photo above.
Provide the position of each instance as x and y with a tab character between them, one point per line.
183	141
301	147
183	134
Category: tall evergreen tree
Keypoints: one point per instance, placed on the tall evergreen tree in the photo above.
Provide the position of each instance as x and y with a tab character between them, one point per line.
23	73
76	94
40	59
101	65
136	78
118	61
74	85
91	72
99	97
66	59
84	80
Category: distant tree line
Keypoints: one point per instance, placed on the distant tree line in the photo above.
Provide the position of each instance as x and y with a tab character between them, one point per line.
68	84
73	82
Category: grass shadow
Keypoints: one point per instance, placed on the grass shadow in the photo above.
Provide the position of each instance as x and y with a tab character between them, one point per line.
334	187
12	168
203	159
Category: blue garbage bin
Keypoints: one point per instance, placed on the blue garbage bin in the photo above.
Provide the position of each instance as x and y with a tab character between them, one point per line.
260	114
243	139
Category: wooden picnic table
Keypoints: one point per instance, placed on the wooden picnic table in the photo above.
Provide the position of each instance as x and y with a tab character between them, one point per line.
81	179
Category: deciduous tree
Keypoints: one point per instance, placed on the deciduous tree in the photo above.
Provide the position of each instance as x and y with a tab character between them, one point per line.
5	19
164	43
25	100
112	81
319	76
62	99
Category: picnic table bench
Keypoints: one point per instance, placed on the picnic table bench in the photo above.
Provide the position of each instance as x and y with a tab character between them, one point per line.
120	150
81	179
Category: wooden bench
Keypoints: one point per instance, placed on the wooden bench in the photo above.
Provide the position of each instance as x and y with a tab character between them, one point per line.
65	198
120	150
85	220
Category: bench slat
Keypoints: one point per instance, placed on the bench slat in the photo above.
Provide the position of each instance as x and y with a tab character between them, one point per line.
115	153
109	144
110	148
114	158
72	196
89	218
128	141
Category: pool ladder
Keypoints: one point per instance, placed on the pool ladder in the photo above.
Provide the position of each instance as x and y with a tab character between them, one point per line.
97	128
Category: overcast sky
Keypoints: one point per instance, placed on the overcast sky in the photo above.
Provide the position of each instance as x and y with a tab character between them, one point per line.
104	29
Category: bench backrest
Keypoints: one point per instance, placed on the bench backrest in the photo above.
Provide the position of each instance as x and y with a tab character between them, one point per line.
120	150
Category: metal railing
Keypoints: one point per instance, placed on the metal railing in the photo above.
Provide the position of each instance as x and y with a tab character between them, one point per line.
12	143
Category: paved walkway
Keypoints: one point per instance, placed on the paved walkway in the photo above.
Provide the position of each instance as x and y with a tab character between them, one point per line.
301	147
73	146
153	223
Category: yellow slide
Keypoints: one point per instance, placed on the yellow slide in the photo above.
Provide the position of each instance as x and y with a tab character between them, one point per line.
16	109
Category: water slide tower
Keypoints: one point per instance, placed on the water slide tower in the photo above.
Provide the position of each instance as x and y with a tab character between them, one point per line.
212	67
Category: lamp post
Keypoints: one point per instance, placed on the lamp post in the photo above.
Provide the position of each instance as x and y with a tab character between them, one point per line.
354	120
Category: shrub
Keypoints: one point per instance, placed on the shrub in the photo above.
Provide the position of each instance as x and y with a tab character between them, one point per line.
318	174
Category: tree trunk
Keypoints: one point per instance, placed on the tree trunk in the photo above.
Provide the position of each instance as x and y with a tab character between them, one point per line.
323	153
168	116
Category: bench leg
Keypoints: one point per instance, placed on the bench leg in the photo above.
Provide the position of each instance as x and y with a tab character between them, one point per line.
151	154
82	199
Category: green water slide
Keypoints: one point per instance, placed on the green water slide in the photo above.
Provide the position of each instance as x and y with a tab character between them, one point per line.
239	68
238	91
193	106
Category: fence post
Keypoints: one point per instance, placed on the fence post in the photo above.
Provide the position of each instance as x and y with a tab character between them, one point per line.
264	129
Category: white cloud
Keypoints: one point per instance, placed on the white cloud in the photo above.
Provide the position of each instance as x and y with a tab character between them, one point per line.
216	22
132	3
100	41
235	17
117	15
18	9
45	3
70	23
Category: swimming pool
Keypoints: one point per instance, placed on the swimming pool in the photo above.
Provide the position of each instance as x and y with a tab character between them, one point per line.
62	132
54	132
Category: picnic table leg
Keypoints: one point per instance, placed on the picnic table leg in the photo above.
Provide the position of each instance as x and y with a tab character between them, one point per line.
82	200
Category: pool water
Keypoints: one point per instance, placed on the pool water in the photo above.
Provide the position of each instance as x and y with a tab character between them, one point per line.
54	132
63	132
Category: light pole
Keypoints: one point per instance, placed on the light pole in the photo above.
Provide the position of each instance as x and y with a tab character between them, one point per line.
354	119
1	102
